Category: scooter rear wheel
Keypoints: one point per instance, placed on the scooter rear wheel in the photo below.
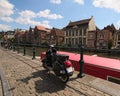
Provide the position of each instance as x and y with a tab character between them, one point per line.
64	78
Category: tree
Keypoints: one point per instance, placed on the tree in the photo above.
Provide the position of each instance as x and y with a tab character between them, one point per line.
1	36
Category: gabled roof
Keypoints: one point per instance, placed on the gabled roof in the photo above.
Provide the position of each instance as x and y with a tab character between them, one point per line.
42	28
110	28
21	33
85	21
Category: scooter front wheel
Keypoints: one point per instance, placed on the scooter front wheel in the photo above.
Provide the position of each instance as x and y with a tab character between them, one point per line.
64	78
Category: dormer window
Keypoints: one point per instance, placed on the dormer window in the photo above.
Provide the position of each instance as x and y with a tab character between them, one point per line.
75	26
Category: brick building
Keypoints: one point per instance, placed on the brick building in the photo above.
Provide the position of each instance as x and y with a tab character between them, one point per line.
106	35
40	34
118	38
57	36
76	33
91	39
19	36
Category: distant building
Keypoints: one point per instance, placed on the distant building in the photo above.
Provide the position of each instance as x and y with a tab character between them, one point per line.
40	34
57	36
10	34
118	43
76	33
91	39
19	36
106	35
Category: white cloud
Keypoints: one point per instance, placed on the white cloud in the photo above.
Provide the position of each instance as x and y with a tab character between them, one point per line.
112	4
79	1
46	14
27	14
6	8
26	21
55	1
5	27
118	23
7	19
46	24
26	18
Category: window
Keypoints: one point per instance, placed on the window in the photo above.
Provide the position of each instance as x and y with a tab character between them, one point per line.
73	41
90	36
67	41
73	33
118	37
84	41
90	43
76	41
80	40
80	32
69	32
101	36
76	32
84	32
66	33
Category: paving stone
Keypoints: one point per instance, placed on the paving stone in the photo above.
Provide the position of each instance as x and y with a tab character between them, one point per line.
27	78
53	94
84	87
107	94
67	93
90	92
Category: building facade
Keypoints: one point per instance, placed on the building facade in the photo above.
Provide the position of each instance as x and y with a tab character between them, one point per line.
91	39
76	33
57	36
40	34
118	38
107	37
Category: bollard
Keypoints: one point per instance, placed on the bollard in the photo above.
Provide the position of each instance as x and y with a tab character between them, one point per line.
13	47
81	62
34	53
24	51
18	49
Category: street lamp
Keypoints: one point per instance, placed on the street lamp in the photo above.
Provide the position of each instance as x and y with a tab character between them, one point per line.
81	62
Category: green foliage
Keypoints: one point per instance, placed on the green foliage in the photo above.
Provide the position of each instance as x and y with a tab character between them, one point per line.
1	36
11	40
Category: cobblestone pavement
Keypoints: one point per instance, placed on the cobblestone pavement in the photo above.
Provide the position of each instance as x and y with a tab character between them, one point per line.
1	93
27	77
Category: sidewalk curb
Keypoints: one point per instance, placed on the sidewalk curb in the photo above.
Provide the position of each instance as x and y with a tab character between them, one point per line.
4	83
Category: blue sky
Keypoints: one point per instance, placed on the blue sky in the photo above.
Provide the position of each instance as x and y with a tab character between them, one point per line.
57	13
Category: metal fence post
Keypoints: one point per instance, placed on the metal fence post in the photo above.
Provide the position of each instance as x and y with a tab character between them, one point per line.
81	62
18	48
24	50
34	52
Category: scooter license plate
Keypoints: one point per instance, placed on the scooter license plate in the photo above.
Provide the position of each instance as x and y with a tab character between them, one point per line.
70	69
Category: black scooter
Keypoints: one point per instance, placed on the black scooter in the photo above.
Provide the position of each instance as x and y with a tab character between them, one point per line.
61	66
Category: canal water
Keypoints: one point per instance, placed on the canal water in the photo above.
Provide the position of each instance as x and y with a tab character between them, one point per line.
29	50
38	50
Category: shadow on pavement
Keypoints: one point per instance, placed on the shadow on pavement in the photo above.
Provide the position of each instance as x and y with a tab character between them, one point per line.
48	82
